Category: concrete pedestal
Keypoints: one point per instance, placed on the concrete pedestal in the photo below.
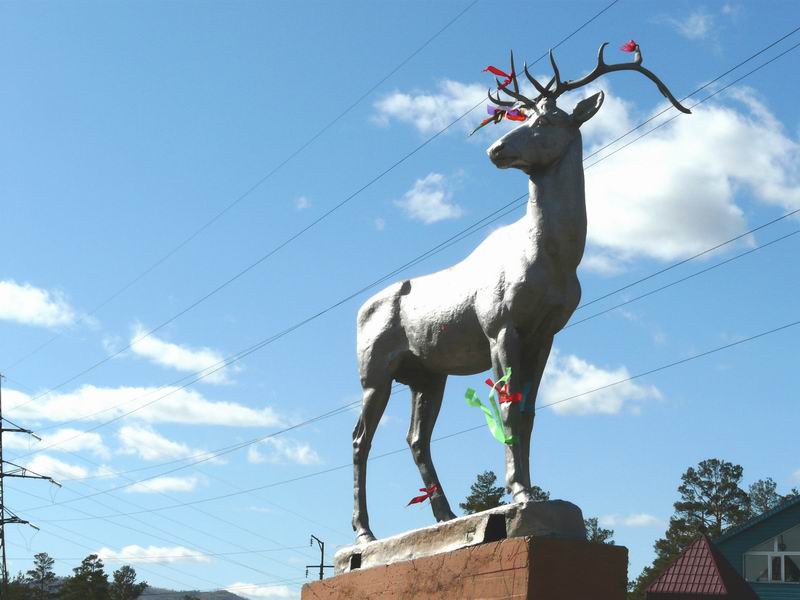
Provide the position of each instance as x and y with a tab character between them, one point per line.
524	568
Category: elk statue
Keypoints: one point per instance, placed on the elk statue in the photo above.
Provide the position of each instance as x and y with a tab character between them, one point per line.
499	307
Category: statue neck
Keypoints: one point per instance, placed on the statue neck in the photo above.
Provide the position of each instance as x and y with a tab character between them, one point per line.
557	205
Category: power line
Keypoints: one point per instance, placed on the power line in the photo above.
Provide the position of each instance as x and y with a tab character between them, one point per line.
468	231
110	519
317	473
226	363
7	516
682	279
720	90
299	233
701	88
256	185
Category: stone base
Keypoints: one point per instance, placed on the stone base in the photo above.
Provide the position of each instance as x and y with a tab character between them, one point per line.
553	518
524	568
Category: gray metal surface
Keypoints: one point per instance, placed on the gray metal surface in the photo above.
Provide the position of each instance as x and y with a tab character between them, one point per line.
500	307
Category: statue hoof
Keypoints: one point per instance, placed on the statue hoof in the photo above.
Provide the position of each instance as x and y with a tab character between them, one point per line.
447	516
522	496
365	537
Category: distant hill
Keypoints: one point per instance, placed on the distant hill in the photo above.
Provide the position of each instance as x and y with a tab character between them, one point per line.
152	593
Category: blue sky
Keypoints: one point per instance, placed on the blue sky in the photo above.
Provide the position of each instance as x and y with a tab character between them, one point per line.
128	126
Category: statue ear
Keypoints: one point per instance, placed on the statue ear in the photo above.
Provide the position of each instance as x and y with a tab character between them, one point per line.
587	108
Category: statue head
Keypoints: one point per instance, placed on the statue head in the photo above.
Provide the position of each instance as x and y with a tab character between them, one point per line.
549	131
544	138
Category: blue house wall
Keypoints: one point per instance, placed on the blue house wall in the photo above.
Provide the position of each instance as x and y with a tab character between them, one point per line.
734	543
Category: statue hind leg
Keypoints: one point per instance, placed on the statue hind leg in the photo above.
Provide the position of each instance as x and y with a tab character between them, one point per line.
427	391
375	398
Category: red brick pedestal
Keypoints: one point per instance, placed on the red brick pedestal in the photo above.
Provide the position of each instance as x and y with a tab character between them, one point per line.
524	568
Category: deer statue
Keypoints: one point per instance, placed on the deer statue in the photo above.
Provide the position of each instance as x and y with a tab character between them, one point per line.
499	307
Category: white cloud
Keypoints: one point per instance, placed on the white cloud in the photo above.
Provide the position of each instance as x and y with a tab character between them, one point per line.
52	467
380	223
796	475
566	376
282	450
603	264
673	193
696	25
30	305
431	112
150	445
301	203
429	200
635	520
184	406
175	356
164	484
63	440
152	554
258	592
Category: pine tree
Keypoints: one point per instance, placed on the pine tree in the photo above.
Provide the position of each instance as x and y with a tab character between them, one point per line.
124	586
484	494
89	581
41	577
711	501
18	588
764	496
597	534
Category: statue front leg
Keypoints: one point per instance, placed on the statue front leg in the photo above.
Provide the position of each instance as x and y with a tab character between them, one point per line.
534	362
507	352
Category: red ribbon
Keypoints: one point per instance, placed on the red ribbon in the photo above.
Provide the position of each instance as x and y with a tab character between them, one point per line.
428	493
499	73
503	394
629	46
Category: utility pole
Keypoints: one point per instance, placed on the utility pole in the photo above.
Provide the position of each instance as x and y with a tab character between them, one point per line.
322	566
7	516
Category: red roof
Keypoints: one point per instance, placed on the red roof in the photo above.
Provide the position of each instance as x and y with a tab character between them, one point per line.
700	571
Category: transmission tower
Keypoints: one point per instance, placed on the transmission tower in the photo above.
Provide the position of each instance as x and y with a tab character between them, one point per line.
10	469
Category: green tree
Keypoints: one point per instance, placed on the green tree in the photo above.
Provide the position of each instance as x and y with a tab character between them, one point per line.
18	588
597	534
41	577
89	581
124	586
711	500
763	496
484	494
711	496
538	494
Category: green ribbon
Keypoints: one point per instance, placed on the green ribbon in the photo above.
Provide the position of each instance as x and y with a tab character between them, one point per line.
493	417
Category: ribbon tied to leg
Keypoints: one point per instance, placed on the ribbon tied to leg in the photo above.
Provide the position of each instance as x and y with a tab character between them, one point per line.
428	493
494	419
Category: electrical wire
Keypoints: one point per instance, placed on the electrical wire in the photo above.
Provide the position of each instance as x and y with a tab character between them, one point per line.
299	233
253	187
652	371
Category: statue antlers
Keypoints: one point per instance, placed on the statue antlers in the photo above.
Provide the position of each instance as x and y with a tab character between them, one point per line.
565	86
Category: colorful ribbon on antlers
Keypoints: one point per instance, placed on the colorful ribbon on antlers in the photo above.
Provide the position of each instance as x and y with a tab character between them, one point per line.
499	73
428	493
494	419
629	46
498	114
